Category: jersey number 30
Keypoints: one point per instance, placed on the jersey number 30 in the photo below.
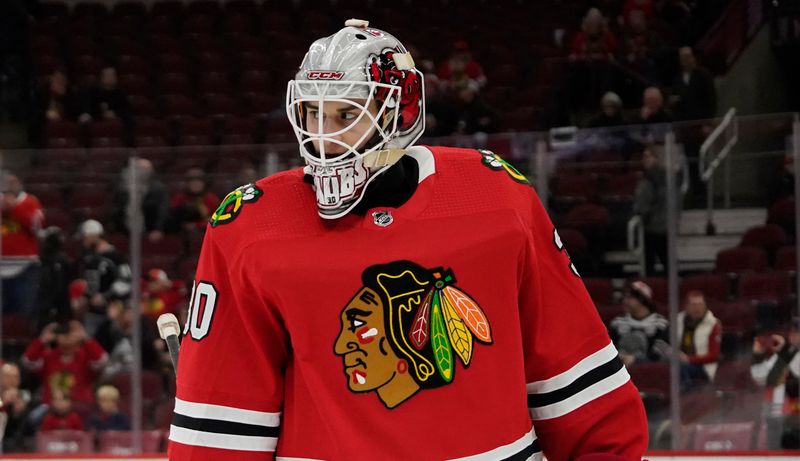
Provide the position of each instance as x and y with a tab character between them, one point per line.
201	310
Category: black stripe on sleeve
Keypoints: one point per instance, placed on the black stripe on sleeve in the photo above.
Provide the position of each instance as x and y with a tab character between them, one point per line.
526	452
223	427
598	374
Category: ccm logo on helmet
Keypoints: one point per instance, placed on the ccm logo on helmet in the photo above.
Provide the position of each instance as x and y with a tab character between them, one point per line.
324	75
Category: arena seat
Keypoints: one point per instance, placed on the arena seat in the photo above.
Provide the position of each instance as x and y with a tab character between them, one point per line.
786	258
770	237
107	133
768	286
63	134
713	286
651	377
600	289
734	261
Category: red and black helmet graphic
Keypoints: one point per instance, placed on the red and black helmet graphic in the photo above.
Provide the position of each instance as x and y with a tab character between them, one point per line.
382	69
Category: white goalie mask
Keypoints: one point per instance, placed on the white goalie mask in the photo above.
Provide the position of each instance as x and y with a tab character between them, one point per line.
355	104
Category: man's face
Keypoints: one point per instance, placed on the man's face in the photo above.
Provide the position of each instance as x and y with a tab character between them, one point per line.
9	376
369	361
696	307
653	99
196	185
89	241
108	78
58	84
342	118
12	185
610	109
687	59
66	341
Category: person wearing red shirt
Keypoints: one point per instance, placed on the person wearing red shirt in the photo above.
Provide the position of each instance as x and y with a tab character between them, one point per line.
22	219
61	415
70	365
594	41
461	65
700	334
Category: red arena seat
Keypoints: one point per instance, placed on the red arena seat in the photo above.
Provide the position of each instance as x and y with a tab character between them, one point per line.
741	259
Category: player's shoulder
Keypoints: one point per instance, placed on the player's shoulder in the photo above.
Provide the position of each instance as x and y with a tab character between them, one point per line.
481	170
477	162
247	210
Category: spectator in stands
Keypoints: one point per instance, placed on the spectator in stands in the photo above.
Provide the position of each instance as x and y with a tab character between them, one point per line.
108	101
640	43
594	41
22	218
55	100
56	274
10	377
14	403
589	74
461	66
646	7
653	110
641	334
247	175
650	204
108	417
160	295
115	335
16	406
61	415
694	98
700	333
67	360
191	208
694	94
438	109
104	269
610	114
154	200
776	366
471	114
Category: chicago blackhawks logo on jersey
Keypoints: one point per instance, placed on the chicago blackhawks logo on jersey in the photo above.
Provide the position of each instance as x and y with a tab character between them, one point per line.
232	204
496	162
405	329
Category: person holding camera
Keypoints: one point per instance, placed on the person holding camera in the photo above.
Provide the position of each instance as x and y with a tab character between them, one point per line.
66	359
776	365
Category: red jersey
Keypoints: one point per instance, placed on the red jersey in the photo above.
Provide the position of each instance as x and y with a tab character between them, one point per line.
53	422
75	377
20	225
452	326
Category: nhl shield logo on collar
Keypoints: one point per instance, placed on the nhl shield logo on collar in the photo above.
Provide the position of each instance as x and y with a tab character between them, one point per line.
382	218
